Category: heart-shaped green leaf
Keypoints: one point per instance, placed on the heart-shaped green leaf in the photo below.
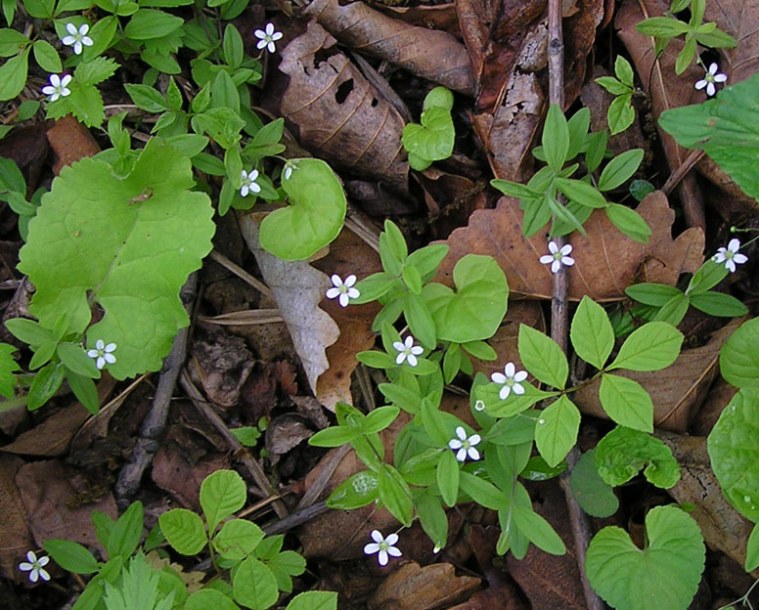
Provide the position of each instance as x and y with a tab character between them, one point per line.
313	218
475	309
666	572
623	452
433	139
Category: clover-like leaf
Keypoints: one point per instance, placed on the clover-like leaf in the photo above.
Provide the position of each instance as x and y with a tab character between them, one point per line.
315	214
125	244
734	452
623	452
668	570
476	308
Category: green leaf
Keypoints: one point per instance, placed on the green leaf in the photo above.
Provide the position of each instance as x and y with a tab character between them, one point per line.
284	565
662	27
13	75
480	350
12	42
433	139
432	517
481	491
395	494
237	539
752	550
76	359
209	598
44	385
629	222
127	244
254	585
379	419
232	46
147	24
313	600
716	39
8	366
652	347
686	55
71	556
668	570
596	149
739	358
555	138
426	260
420	320
624	452
624	71
356	491
640	189
138	587
183	530
734	452
578	127
47	57
674	310
593	495
706	277
556	430
315	214
649	293
620	114
542	357
626	402
614	85
448	477
439	97
580	192
537	530
222	493
475	309
718	304
620	169
126	532
147	98
591	333
95	71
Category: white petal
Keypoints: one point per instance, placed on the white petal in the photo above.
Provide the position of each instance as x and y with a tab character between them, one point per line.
44	574
83	29
270	31
461	455
710	89
343	299
546	259
71	29
111	347
740	258
350	280
25	567
34	575
371	548
730	265
259	34
55	80
720	256
49	90
273	49
504	393
461	433
377	536
399	346
701	84
353	293
68	40
713	68
244	190
412	360
417	350
520	376
276	35
566	249
391	539
78	48
100	363
44	560
555	266
568	261
734	245
109	358
67	78
394	551
333	293
261	43
454	444
553	248
498	378
409	342
720	78
518	389
474	454
509	369
400	358
382	558
100	344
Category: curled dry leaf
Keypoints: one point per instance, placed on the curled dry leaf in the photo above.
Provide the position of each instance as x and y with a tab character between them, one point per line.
606	261
51	438
431	54
723	528
677	391
298	289
412	587
338	113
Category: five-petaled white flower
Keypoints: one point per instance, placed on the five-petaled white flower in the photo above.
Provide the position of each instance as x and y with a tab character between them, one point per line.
511	380
77	37
249	184
730	255
464	445
35	566
343	291
103	353
558	256
711	77
268	37
58	87
407	351
382	546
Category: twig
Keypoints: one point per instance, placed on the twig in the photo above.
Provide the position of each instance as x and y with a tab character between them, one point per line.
676	177
559	309
241	273
154	423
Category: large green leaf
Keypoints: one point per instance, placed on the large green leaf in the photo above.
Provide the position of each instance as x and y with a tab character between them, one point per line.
221	494
663	575
626	402
624	452
739	357
591	333
652	347
184	530
126	244
313	218
726	128
556	430
542	357
734	452
254	585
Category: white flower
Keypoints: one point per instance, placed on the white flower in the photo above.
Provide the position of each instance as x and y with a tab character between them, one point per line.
383	546
288	171
465	446
557	257
103	353
77	37
711	77
58	87
407	351
35	566
249	184
511	380
268	38
343	291
730	255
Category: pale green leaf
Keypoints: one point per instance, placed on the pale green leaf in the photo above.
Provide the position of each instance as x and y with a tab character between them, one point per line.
221	494
356	491
542	357
8	366
668	570
147	24
209	598
752	550
13	75
620	169
254	585
314	600
556	430
652	347
593	495
183	530
237	539
591	333
624	452
433	139
448	477
555	138
620	114
629	222
626	402
739	357
71	556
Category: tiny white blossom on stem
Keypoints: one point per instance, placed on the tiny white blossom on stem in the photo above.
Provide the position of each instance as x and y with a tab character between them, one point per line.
382	546
465	446
35	566
58	87
268	37
730	255
711	77
511	380
77	37
103	354
249	184
558	256
288	171
343	291
407	351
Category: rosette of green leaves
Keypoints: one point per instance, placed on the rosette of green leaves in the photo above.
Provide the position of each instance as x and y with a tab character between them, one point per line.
432	138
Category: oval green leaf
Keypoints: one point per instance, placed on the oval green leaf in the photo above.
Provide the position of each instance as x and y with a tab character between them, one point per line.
184	531
221	494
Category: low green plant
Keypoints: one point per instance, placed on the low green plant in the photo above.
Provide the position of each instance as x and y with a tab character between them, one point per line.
621	113
432	138
666	28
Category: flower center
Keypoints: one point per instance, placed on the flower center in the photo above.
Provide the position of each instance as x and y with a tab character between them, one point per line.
465	444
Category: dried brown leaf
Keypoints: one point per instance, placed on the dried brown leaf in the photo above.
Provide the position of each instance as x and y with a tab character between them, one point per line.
430	54
52	437
606	261
15	539
677	391
338	113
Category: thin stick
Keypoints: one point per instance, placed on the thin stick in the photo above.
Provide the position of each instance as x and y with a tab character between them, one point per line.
676	177
559	309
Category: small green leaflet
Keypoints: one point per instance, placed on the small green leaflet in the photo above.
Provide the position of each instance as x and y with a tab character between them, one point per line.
315	214
8	366
127	244
652	347
626	402
542	357
209	598
734	452
739	357
623	452
221	494
591	333
139	587
314	600
184	531
556	430
668	570
254	585
555	138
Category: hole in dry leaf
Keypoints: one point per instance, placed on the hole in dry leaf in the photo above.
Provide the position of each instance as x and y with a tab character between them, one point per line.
374	102
343	91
